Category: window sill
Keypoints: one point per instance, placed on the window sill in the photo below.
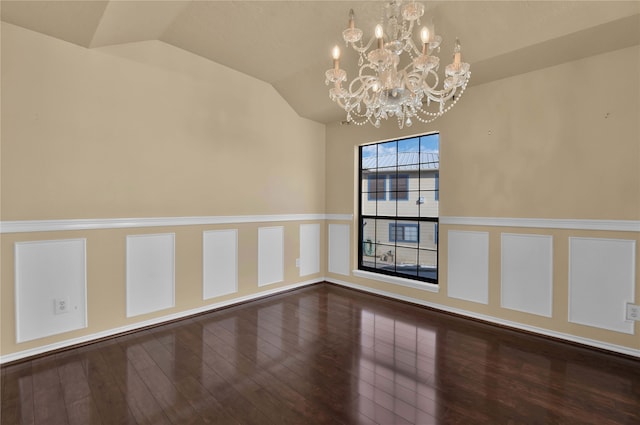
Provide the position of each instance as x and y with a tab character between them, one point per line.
416	284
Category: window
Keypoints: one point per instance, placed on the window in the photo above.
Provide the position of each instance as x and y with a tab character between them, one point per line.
399	185
376	183
403	232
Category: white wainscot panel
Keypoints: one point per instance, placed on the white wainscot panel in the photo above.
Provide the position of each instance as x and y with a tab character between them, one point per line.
468	266
50	288
527	273
270	255
220	263
150	273
309	249
339	248
601	282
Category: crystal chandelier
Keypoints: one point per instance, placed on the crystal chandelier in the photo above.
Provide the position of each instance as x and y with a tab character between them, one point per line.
390	84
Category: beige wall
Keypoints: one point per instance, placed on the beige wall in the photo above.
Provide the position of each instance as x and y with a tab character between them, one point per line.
146	130
123	132
559	143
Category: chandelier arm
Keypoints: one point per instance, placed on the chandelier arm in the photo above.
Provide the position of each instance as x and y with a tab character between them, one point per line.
364	85
406	35
435	84
364	49
364	67
411	47
441	96
435	115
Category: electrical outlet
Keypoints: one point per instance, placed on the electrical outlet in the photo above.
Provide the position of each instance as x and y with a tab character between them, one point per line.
633	312
297	262
61	305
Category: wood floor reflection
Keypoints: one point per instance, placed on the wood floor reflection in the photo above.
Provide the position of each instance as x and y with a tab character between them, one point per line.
324	355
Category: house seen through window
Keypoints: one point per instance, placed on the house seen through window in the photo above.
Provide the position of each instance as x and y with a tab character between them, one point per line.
399	196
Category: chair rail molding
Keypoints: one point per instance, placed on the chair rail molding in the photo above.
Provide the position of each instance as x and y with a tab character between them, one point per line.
26	226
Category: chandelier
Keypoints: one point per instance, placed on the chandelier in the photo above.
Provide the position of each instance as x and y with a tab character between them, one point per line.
397	78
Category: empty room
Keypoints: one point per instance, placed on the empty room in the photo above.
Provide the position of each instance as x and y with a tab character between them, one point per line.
319	212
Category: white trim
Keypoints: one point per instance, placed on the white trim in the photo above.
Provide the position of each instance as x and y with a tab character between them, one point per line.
416	284
546	223
159	320
24	226
345	217
559	335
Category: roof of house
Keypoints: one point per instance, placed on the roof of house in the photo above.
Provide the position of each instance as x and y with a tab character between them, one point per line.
405	161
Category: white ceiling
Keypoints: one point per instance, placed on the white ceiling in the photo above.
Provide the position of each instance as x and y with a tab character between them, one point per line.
288	43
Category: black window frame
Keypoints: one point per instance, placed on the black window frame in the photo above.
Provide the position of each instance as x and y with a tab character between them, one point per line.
397	270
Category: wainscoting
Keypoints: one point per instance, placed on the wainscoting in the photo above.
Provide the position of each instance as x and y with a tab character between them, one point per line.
118	275
569	280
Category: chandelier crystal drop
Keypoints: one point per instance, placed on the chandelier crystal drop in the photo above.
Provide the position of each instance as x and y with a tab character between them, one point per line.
397	77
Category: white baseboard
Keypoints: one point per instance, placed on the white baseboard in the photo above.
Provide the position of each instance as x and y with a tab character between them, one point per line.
156	321
546	332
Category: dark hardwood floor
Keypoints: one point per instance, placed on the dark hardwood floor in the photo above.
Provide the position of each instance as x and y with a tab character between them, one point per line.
324	355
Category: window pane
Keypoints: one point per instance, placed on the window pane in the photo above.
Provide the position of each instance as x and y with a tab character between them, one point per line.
375	186
382	231
387	208
404	232
428	261
407	261
408	154
430	143
429	205
368	205
386	257
398	187
428	235
411	233
368	233
410	207
409	145
369	157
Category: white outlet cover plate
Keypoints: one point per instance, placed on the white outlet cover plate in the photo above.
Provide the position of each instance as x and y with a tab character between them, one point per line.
61	305
633	312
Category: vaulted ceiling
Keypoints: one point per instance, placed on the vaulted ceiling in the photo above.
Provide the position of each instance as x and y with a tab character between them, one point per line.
288	43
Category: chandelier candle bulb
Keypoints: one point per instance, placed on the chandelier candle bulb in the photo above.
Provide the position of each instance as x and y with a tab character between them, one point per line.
336	57
352	19
424	36
379	35
457	54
